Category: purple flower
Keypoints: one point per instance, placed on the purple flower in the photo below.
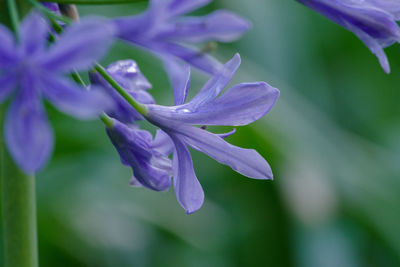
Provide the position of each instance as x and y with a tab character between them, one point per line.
373	21
163	30
31	71
148	158
52	6
129	76
240	105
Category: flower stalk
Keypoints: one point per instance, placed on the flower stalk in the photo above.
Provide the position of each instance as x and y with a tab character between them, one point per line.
18	198
19	214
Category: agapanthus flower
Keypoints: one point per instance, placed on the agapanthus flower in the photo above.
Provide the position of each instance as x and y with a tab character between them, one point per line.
240	105
129	76
30	71
165	31
373	21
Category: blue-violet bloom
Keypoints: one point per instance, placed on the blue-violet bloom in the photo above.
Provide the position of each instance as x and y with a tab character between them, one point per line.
165	31
30	71
240	105
373	21
148	158
129	76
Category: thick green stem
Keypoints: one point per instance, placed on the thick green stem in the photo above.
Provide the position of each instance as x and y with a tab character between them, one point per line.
18	212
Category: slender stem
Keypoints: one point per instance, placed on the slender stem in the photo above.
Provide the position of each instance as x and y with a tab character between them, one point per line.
13	13
108	121
19	214
94	2
139	107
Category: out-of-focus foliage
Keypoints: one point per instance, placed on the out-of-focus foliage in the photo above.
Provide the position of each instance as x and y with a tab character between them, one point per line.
332	140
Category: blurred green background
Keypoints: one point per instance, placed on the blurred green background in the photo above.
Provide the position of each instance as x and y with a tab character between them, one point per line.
332	140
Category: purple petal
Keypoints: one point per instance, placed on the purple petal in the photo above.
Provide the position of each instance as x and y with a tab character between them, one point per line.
8	53
134	182
7	84
33	34
371	21
240	105
73	99
151	170
391	6
179	76
163	143
179	7
226	135
188	190
129	76
223	26
80	46
28	135
373	45
245	161
217	83
191	55
52	6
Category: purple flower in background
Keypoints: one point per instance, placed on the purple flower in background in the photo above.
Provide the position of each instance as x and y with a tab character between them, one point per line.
31	71
373	21
148	158
129	76
240	105
52	6
163	30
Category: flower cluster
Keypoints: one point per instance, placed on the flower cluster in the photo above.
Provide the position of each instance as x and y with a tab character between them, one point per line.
149	159
373	21
36	63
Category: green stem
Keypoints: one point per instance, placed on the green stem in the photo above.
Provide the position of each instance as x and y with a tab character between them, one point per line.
108	121
14	18
94	2
139	107
18	212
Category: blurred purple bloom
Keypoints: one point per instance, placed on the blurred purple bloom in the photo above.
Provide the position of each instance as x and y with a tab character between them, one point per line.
52	6
32	71
147	157
373	21
129	76
240	105
163	30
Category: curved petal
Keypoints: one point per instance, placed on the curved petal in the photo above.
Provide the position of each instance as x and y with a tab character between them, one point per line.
245	161
217	83
189	192
179	76
151	170
80	46
179	7
73	99
198	59
33	33
7	84
240	105
222	26
163	143
28	135
7	47
373	46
